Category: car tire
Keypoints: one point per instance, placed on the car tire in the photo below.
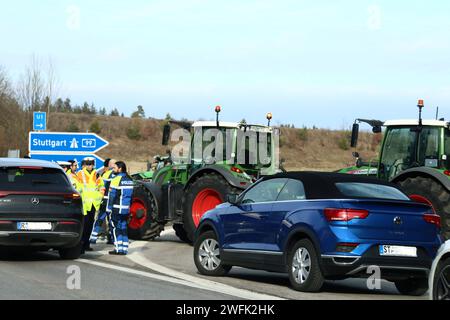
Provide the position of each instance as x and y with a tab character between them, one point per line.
210	265
70	253
441	281
416	287
303	267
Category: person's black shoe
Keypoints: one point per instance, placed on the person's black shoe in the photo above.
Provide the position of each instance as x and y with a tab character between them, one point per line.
89	249
114	253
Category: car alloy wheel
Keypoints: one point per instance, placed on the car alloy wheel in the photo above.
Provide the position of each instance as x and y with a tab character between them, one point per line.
443	284
301	265
209	254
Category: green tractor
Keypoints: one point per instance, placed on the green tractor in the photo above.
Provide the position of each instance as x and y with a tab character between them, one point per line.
188	183
415	154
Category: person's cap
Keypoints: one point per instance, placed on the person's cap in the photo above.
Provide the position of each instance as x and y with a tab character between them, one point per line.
89	161
64	163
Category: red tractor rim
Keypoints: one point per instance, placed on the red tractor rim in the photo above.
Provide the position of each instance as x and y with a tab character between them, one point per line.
136	223
421	199
205	200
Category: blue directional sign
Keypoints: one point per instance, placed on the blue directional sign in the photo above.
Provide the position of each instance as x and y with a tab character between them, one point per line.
66	157
47	142
39	121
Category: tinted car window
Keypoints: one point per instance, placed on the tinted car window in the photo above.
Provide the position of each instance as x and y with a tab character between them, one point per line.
293	190
265	191
368	190
23	179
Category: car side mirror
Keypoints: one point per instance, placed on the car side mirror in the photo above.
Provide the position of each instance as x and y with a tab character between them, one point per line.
355	134
232	199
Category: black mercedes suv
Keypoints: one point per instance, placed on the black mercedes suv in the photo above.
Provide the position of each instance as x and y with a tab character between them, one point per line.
39	208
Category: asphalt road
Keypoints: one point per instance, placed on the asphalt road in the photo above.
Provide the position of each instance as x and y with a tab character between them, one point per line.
45	276
158	270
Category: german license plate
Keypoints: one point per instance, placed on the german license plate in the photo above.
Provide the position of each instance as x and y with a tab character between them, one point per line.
398	251
34	226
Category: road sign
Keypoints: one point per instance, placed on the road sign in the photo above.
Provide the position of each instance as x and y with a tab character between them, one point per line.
46	142
55	157
39	121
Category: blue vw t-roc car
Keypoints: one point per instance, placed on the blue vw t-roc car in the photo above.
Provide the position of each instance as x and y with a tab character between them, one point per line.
318	226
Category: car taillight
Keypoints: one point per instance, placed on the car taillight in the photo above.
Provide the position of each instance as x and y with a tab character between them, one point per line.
345	214
346	247
68	222
72	196
433	219
3	194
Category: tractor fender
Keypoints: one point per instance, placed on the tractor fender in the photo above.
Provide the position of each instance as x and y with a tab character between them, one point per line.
424	171
226	174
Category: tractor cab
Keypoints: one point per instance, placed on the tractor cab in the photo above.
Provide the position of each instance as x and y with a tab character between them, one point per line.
408	145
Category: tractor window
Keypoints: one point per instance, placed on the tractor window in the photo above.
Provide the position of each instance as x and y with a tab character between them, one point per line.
428	151
447	148
265	191
398	152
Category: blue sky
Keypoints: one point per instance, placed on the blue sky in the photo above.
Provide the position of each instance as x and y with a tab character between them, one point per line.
320	63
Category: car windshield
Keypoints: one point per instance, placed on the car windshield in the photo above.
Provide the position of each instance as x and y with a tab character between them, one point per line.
32	179
369	190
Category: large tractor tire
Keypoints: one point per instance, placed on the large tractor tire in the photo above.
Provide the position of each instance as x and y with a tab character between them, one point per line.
204	194
181	233
429	191
143	224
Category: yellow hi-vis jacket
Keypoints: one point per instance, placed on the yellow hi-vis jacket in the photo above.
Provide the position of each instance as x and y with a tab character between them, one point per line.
92	189
73	178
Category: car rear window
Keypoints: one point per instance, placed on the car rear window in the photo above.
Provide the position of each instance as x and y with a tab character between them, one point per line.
370	190
32	179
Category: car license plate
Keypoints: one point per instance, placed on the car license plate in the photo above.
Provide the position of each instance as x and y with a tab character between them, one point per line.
34	226
398	251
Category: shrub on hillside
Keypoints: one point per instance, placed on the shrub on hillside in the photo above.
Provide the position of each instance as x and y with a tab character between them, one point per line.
134	132
303	134
95	127
343	141
73	127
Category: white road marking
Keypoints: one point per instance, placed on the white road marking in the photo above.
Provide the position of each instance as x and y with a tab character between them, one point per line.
173	276
140	273
139	259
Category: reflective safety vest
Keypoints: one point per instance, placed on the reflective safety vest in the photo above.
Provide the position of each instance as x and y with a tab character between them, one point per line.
92	189
120	194
73	178
107	176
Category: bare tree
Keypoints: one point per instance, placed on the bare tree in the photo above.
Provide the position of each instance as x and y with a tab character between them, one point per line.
38	86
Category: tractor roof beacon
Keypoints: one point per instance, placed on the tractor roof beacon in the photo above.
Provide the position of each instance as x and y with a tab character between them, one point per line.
181	190
415	154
